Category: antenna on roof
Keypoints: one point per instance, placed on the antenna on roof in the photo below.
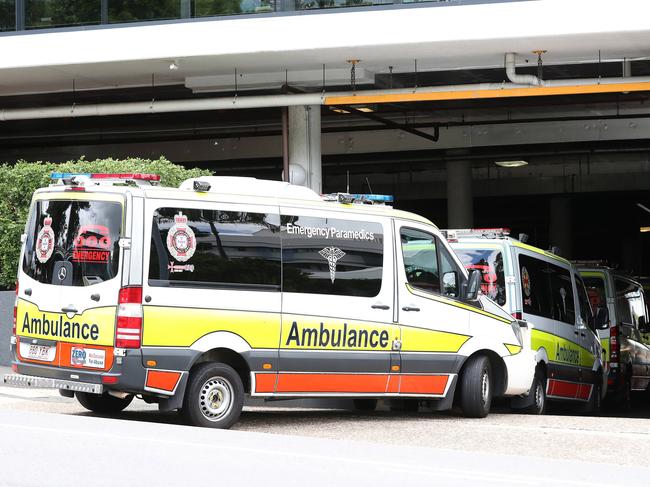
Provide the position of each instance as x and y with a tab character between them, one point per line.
368	183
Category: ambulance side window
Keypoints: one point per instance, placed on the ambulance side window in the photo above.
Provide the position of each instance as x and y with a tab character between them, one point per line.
583	300
630	305
331	256
535	286
214	248
562	295
419	250
448	272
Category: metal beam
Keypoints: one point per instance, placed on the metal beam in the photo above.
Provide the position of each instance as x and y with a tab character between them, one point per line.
391	124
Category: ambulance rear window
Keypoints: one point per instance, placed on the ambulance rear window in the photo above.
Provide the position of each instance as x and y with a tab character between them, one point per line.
73	242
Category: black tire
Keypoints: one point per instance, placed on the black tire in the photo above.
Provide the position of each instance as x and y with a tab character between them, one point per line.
476	388
102	403
214	396
593	406
625	396
538	390
366	405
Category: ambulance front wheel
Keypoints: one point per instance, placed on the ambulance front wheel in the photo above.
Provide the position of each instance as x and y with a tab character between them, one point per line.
214	397
476	388
539	394
102	403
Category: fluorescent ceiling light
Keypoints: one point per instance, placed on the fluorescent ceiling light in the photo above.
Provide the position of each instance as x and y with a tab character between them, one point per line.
644	229
511	163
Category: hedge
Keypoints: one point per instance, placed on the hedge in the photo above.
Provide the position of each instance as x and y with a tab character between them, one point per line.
18	181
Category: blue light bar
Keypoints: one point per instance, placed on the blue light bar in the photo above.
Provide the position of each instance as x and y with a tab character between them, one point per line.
67	175
376	198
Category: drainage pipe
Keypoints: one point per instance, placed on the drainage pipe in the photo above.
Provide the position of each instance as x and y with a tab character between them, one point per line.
519	79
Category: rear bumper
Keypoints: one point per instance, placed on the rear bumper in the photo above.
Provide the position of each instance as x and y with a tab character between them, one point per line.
34	382
127	374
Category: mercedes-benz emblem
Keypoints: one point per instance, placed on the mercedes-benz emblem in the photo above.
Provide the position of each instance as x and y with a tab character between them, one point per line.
62	273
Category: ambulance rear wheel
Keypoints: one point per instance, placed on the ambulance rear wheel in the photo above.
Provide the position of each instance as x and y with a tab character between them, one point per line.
214	397
476	388
365	404
592	407
102	403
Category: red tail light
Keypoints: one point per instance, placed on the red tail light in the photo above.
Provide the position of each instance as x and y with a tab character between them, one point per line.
518	315
614	346
13	330
128	333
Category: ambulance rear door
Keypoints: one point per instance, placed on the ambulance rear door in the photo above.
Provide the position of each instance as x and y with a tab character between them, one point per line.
70	278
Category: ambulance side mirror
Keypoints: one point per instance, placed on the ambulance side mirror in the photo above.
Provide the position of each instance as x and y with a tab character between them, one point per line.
602	318
473	285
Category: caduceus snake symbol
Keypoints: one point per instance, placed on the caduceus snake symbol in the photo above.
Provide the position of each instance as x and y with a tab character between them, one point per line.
332	254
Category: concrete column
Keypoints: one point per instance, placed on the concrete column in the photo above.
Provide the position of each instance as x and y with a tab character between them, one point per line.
304	144
460	201
561	225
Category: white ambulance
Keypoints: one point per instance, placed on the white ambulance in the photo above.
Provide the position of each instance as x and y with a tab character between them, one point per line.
546	290
197	296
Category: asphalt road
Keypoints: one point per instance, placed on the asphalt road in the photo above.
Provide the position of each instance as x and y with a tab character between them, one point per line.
49	440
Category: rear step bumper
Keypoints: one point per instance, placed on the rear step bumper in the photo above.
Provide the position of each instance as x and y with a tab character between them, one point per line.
30	381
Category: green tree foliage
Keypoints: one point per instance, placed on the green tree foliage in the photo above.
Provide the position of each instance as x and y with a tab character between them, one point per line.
7	15
18	182
55	13
133	10
203	8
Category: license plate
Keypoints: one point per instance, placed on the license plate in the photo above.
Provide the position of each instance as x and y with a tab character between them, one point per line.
41	352
88	357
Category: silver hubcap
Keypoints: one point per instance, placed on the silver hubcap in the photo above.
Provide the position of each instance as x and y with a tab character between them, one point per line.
485	387
215	399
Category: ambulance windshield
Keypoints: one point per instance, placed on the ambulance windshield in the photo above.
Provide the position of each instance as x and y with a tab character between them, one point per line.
490	263
73	242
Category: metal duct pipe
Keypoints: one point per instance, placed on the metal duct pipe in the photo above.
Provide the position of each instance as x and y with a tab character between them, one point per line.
499	90
520	79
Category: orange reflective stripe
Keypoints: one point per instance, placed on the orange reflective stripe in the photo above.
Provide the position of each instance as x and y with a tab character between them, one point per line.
423	384
393	384
562	388
362	383
265	382
162	380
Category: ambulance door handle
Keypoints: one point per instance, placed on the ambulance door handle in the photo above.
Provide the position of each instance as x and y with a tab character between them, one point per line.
28	292
380	306
147	299
409	308
95	297
69	309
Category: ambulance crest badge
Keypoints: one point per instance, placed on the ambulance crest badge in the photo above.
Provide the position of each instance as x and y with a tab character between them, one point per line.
181	241
45	241
332	255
